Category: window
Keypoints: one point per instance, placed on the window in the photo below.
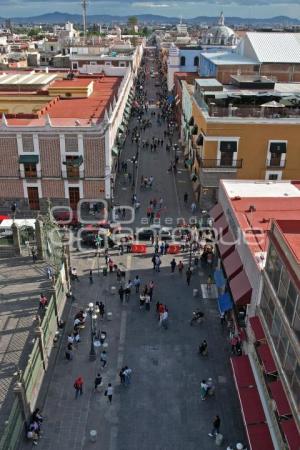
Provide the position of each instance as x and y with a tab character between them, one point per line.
51	48
93	63
122	64
290	363
74	65
275	160
196	61
273	177
275	329
30	170
71	143
182	61
27	142
107	63
282	344
72	167
256	68
291	302
226	159
273	267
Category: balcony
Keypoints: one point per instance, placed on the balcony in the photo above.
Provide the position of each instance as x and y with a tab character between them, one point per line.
275	164
220	164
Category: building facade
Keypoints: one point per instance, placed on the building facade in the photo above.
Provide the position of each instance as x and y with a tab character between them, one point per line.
229	138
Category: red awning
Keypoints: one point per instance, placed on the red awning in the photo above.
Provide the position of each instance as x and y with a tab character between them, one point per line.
257	434
242	371
278	394
291	434
216	212
257	328
266	358
251	405
3	217
232	264
241	289
220	226
226	244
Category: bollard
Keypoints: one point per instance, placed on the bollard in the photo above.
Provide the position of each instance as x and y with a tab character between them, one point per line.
109	316
93	435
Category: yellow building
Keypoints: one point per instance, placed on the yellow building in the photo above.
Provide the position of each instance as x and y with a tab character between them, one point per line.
243	134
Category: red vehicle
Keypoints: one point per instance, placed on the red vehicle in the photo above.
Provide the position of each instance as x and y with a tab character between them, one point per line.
66	218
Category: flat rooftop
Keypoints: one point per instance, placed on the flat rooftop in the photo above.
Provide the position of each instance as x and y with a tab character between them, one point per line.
228	58
256	204
70	111
28	79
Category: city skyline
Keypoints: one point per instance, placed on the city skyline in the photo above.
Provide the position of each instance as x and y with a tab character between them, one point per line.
193	8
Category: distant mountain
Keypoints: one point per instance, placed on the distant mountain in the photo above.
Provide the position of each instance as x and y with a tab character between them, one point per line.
60	18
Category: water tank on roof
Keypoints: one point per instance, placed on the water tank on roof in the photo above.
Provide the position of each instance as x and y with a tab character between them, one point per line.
113	53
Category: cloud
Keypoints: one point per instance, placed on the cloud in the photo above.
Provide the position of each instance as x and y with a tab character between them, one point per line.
149	5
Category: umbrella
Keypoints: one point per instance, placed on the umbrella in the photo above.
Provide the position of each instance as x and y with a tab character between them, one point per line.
273	104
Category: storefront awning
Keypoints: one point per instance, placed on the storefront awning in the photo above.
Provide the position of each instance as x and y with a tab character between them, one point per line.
28	159
220	226
258	433
266	357
257	328
225	302
251	405
291	434
228	146
219	278
241	289
74	162
226	244
278	394
278	147
242	371
232	264
216	212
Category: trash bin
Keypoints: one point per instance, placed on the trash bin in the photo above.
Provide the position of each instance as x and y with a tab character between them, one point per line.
104	271
219	439
93	435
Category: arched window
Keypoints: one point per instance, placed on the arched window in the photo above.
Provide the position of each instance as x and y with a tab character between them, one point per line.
182	61
196	61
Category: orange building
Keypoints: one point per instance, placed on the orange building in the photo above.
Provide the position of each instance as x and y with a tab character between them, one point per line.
242	134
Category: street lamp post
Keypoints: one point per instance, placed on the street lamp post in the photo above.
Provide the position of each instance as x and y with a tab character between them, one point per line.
93	316
98	243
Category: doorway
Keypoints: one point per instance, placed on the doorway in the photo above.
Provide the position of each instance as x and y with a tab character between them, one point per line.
33	197
74	196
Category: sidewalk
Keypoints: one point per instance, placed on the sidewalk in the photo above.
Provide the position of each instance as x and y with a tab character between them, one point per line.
161	409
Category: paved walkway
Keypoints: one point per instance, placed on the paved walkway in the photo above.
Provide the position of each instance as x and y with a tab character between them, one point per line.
21	283
161	409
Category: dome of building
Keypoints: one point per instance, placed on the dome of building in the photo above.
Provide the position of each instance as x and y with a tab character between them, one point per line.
220	34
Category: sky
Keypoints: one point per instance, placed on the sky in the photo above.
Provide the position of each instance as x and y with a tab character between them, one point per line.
184	8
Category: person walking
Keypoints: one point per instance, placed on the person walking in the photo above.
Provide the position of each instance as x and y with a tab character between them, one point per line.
209	283
101	310
216	426
127	375
109	392
185	198
188	275
78	386
97	382
137	283
173	265
180	267
203	390
91	276
157	263
121	293
164	319
103	358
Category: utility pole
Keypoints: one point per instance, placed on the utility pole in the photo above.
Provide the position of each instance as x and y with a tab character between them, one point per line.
84	17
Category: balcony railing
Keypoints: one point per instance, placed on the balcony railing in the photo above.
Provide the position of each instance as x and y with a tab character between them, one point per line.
219	164
275	164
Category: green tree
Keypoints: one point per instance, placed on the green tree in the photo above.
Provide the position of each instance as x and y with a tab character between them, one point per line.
132	21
